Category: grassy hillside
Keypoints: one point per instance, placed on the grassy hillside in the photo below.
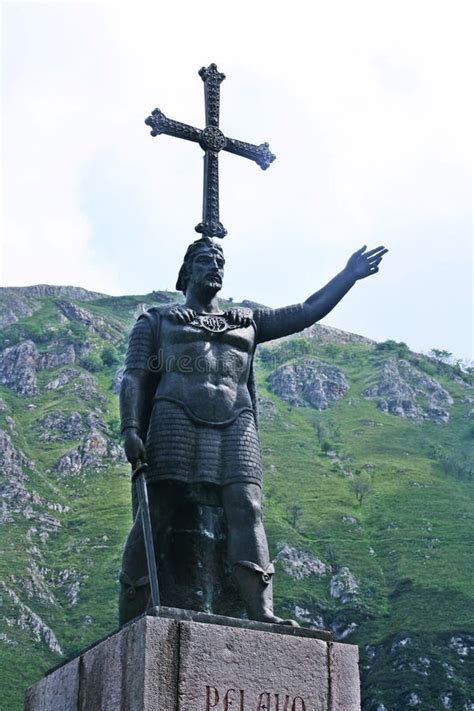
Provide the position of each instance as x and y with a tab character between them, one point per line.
368	502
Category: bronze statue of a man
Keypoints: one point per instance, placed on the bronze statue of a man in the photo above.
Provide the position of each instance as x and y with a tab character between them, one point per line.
188	410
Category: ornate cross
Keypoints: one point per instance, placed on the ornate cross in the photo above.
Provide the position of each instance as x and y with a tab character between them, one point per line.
211	140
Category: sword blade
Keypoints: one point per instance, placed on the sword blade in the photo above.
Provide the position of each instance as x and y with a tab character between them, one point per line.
139	477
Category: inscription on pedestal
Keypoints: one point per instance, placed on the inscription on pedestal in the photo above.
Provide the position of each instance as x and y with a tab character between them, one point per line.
228	669
240	701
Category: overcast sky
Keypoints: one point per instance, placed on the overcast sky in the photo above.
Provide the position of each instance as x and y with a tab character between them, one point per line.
366	105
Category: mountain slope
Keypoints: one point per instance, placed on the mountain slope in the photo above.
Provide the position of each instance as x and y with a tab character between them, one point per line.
368	458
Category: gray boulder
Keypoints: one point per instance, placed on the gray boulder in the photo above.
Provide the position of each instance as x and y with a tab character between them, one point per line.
94	324
58	355
18	368
14	306
13	492
84	384
309	382
59	426
95	451
64	377
404	391
343	585
298	563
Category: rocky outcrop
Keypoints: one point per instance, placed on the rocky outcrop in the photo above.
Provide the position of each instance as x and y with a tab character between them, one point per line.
340	622
94	324
12	460
15	497
18	368
328	334
45	290
84	384
58	355
308	382
19	302
19	364
117	381
64	378
14	306
58	426
298	563
36	585
404	391
343	585
29	621
323	334
267	410
94	452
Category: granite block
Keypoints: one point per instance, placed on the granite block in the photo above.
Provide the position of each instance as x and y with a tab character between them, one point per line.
344	674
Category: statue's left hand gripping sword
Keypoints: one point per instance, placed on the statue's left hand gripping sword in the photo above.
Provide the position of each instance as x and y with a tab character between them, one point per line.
211	140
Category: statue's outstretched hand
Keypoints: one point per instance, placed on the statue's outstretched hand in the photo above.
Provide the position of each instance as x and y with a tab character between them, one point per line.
134	447
362	264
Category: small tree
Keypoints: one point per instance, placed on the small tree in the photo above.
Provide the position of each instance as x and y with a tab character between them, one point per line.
293	513
109	356
326	446
361	488
92	362
321	431
440	355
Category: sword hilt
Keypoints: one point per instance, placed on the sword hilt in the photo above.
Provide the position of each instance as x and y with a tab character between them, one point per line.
140	468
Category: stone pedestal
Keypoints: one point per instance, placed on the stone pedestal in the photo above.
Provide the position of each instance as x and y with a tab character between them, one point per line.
183	661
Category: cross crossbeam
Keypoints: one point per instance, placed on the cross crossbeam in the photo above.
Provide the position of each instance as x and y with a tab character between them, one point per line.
212	141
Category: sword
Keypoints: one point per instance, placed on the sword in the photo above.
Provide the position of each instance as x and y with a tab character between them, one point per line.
138	477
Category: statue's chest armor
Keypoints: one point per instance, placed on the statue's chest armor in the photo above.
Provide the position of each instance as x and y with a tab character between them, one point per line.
206	371
209	338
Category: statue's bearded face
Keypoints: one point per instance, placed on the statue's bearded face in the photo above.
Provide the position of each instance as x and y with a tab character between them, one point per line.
207	269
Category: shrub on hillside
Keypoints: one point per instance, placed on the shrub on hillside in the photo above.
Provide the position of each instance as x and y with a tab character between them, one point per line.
109	356
35	331
76	332
397	347
92	362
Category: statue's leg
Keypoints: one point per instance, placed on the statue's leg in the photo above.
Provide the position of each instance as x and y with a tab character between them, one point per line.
134	584
134	598
248	550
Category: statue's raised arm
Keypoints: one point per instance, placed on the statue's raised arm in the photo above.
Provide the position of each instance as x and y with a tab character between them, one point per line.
276	323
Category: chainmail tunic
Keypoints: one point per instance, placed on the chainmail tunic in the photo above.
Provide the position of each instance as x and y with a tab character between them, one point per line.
183	449
179	448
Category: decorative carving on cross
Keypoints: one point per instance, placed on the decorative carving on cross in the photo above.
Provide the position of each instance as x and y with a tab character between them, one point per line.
212	140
